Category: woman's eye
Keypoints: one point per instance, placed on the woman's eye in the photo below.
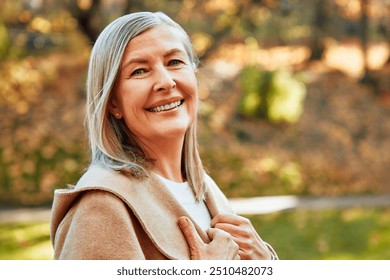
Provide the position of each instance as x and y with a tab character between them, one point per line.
175	62
138	72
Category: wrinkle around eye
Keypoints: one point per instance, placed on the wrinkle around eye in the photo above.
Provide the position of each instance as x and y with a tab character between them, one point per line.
177	63
138	72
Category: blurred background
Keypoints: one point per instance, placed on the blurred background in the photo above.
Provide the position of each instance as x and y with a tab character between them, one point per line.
295	107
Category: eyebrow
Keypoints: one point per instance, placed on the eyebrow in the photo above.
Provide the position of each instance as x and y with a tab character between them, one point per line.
134	60
143	60
173	51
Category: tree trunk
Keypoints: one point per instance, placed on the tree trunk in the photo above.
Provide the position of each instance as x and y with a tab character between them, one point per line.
364	37
318	24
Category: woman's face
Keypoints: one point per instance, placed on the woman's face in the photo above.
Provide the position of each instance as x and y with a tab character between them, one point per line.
156	91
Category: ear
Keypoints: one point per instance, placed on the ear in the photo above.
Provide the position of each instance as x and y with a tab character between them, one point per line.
114	109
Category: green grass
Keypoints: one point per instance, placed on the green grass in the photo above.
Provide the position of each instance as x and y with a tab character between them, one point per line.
27	241
351	234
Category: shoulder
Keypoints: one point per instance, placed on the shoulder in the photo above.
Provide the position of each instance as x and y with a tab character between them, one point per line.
98	196
82	207
101	211
98	184
99	201
94	208
102	177
97	226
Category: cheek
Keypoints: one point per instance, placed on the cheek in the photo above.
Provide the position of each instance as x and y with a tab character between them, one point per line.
191	85
132	95
191	92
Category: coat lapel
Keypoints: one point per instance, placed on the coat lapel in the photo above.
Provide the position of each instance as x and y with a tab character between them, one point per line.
153	204
216	201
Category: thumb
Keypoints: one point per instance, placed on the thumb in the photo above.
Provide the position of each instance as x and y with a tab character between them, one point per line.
190	233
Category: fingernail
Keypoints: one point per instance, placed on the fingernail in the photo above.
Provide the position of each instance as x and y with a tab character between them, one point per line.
182	221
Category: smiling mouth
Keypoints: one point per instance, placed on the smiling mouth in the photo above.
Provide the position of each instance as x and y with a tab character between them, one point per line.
167	107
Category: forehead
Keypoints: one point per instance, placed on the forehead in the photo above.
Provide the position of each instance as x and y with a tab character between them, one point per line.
156	40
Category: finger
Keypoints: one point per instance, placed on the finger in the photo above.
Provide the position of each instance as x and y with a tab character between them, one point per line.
189	232
217	233
230	219
243	243
243	255
233	230
222	218
237	257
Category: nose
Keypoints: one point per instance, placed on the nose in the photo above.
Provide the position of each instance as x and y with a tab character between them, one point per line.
163	80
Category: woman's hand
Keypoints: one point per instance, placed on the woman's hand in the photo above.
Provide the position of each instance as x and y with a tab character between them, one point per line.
221	247
252	247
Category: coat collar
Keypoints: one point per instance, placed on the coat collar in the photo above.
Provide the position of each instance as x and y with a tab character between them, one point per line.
150	200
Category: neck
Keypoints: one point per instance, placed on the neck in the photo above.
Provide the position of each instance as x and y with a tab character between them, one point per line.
168	156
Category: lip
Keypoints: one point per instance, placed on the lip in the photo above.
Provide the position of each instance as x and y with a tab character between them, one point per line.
161	103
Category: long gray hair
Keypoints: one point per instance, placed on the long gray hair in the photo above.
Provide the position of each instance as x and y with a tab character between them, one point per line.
112	144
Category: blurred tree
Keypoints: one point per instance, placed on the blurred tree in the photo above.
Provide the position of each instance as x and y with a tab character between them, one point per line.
276	96
364	21
4	41
93	15
89	17
384	27
51	35
367	77
319	22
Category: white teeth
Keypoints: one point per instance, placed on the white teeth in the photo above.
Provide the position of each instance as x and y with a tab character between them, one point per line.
166	107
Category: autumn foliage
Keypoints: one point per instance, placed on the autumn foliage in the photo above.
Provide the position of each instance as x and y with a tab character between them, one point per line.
256	56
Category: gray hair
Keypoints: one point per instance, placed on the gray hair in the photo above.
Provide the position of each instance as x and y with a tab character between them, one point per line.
111	142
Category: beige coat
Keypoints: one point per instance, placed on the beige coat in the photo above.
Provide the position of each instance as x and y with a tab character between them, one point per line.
110	216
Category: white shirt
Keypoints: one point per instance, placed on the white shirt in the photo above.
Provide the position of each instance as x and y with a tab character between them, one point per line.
184	194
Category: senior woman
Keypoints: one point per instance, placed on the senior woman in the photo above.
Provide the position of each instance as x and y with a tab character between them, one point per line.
145	194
